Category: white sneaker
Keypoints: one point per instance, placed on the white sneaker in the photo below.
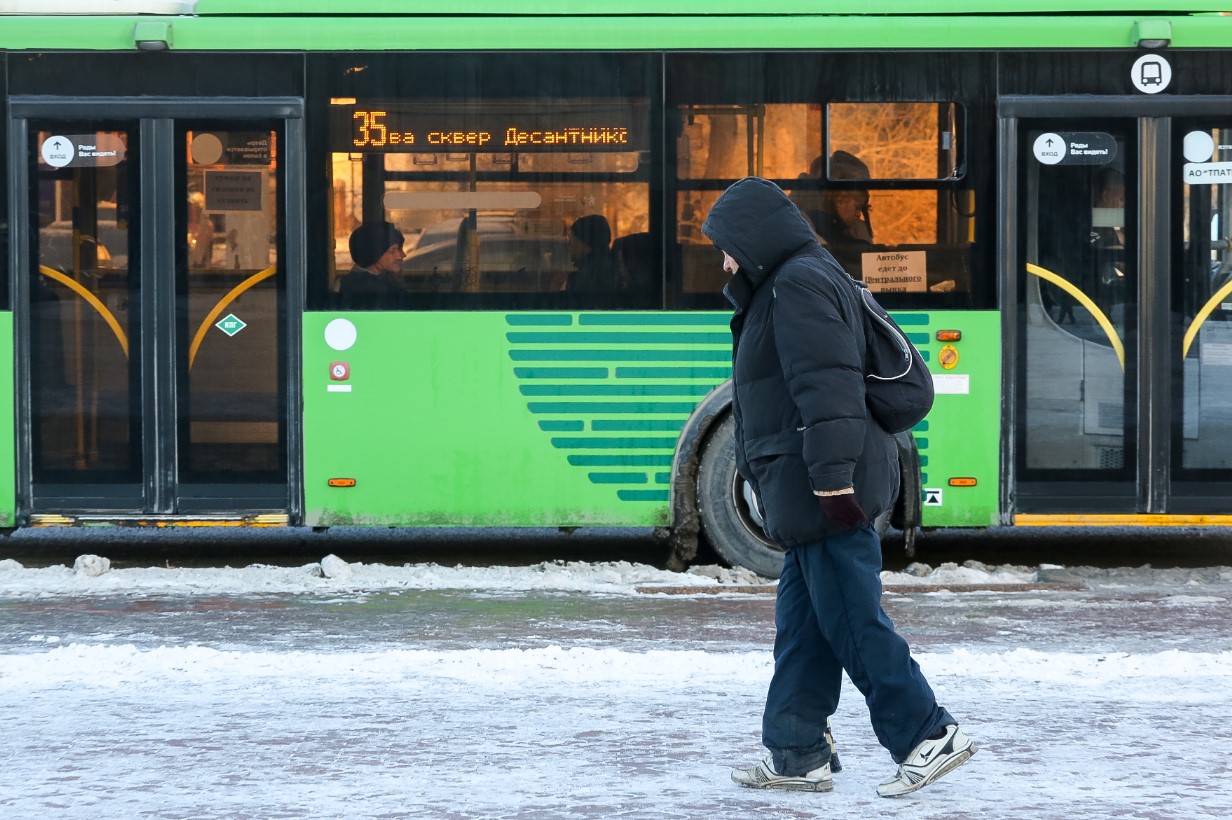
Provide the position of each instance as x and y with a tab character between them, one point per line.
763	776
929	761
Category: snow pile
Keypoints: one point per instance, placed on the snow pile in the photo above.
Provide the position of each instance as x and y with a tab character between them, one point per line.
93	575
971	573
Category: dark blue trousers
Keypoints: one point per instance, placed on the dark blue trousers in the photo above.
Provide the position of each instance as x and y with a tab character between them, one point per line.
829	618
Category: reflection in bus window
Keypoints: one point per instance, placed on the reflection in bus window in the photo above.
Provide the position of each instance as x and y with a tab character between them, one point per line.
486	195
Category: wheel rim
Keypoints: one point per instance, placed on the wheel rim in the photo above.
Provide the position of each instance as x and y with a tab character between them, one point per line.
742	502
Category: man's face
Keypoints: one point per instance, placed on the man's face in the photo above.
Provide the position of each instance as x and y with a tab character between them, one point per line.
730	265
390	261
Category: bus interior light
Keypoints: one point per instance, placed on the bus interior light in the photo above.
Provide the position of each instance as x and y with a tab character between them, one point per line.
963	481
949	335
342	482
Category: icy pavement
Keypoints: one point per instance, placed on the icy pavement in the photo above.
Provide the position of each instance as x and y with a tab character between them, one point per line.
571	690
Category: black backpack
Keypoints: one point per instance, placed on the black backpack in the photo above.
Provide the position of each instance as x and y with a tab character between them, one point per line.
898	388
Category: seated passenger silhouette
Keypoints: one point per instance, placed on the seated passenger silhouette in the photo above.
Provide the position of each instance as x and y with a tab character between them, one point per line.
594	266
376	251
841	217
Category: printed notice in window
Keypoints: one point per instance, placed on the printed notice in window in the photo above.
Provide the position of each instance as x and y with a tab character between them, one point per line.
233	190
895	271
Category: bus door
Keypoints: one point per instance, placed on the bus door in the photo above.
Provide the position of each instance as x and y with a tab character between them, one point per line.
1120	298
155	374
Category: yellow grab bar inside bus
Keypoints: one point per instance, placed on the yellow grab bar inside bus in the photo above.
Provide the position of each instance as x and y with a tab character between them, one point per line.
84	292
221	306
1092	308
1200	319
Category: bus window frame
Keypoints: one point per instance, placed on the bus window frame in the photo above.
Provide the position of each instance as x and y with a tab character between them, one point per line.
483	76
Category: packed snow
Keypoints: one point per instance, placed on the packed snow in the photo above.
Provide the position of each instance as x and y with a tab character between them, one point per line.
578	690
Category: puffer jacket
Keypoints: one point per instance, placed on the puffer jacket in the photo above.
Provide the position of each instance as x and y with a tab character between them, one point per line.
797	367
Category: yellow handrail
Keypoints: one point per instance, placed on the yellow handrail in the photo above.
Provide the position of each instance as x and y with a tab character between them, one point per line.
82	291
1200	319
1092	308
221	306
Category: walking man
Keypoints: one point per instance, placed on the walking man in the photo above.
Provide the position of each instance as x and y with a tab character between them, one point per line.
822	469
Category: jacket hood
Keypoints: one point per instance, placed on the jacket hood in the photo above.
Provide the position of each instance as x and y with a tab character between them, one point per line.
758	226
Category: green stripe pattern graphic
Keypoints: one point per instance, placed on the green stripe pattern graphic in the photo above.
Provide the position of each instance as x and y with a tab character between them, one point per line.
612	391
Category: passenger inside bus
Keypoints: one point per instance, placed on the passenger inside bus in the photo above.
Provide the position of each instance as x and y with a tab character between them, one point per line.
1108	242
376	251
840	217
595	268
635	260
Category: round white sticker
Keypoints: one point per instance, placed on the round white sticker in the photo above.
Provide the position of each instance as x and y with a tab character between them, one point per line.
1049	148
1151	73
58	151
1199	146
340	334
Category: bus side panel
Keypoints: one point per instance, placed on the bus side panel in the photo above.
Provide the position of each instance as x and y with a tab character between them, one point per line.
8	468
501	419
961	436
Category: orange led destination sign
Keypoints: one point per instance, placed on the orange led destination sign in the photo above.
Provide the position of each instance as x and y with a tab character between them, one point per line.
373	128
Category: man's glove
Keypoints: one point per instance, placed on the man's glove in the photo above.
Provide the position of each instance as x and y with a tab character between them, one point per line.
843	510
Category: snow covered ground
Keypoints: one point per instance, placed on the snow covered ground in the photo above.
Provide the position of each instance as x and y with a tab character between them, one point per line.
575	690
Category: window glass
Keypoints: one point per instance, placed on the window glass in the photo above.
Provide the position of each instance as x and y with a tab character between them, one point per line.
912	140
496	202
1205	434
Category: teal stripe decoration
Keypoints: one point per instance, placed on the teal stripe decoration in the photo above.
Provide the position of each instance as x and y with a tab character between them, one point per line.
561	372
923	461
569	355
623	385
615	389
923	481
912	319
673	373
642	495
538	319
636	425
615	407
562	426
605	443
921	443
595	460
618	478
656	319
918	339
922	427
598	338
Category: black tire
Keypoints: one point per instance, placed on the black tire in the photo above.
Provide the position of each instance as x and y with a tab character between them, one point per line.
731	524
730	521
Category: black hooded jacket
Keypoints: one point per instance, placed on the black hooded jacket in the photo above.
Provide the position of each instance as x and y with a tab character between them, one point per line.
797	366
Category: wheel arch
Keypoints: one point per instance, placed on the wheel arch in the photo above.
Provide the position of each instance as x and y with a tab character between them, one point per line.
685	523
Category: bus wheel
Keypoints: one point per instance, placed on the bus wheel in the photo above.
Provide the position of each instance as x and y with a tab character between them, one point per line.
729	514
728	509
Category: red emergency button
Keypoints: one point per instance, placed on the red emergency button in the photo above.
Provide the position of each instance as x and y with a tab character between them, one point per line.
339	371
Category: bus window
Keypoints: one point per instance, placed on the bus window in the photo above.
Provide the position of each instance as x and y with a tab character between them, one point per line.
512	202
881	182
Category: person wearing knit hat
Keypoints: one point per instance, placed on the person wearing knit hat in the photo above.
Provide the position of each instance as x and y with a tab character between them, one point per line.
595	267
376	250
841	217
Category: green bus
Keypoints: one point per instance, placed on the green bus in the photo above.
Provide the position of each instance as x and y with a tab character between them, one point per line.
209	323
